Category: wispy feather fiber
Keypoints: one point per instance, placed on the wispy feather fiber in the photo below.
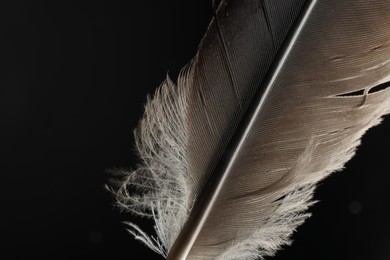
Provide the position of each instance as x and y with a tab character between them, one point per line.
163	179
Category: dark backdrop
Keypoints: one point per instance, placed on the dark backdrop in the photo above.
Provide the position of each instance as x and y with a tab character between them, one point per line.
74	79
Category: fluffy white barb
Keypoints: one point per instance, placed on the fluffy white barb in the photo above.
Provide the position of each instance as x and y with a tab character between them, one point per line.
158	187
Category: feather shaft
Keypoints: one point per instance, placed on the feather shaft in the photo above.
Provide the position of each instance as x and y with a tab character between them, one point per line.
208	196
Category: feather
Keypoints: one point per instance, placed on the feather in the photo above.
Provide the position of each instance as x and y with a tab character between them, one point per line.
277	97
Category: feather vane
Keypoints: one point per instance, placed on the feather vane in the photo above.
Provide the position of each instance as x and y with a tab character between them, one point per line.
321	98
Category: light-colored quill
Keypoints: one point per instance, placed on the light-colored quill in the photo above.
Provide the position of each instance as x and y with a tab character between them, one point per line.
277	98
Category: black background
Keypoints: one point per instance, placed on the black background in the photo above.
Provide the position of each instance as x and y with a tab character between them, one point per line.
74	78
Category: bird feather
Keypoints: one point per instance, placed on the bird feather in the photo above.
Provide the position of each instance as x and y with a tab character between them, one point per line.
277	97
